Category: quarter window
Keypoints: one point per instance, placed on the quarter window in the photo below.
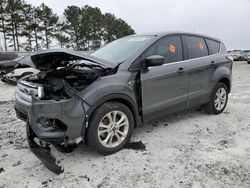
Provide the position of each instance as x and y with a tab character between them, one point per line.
213	46
169	47
196	47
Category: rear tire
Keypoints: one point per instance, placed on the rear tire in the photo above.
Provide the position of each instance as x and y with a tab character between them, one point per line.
218	99
110	128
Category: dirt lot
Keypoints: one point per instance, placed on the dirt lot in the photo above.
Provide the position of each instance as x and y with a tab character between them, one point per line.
192	149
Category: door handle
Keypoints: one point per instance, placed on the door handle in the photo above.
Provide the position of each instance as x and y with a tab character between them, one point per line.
180	70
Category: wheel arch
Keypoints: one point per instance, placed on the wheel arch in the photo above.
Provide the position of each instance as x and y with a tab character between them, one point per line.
124	99
223	74
227	82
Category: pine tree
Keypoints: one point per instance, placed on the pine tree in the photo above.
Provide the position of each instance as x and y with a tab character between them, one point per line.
109	27
27	27
92	27
61	34
88	28
73	17
3	4
83	28
115	28
15	20
48	22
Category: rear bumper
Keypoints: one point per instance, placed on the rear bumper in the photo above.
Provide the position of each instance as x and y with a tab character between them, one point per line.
52	121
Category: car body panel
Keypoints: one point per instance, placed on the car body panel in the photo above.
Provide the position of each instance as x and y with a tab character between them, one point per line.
112	87
67	111
199	76
180	91
164	90
52	59
150	92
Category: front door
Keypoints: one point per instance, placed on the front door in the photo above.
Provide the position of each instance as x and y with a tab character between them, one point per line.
164	88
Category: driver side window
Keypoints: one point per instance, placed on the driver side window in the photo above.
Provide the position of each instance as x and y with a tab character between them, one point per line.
170	47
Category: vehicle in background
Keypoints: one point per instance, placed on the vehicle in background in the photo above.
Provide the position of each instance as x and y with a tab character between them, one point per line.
8	65
237	55
11	71
13	76
247	57
246	51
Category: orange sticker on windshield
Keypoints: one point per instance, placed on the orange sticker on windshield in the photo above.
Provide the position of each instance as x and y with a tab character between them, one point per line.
172	48
201	46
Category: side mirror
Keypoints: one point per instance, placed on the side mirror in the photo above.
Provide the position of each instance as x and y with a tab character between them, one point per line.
154	60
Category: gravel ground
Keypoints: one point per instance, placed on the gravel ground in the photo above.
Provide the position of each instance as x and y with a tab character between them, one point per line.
191	149
7	92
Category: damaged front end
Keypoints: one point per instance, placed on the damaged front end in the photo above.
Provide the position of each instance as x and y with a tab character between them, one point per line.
52	104
43	152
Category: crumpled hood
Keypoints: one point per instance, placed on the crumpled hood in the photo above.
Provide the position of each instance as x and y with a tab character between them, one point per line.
52	59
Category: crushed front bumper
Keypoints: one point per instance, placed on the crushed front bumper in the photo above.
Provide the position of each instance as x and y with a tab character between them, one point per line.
69	116
43	152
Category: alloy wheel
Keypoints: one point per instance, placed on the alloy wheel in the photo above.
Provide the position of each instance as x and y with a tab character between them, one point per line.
113	129
220	99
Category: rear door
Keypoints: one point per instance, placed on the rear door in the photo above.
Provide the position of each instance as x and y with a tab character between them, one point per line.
164	88
201	68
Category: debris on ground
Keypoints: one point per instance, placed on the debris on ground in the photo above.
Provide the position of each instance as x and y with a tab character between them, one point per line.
136	146
17	164
1	170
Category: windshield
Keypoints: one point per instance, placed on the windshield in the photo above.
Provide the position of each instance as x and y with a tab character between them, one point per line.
121	49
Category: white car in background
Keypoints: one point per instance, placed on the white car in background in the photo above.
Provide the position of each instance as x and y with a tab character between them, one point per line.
237	55
16	74
19	69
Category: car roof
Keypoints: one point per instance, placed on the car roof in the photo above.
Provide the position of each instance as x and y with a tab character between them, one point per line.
161	34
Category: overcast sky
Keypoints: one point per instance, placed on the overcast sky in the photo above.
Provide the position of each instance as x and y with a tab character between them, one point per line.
228	20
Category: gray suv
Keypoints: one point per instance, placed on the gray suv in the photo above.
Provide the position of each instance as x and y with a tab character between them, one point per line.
101	97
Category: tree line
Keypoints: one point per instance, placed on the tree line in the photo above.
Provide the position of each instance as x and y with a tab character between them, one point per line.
26	27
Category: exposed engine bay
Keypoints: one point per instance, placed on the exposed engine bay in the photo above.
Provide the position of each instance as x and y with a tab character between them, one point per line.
77	76
41	100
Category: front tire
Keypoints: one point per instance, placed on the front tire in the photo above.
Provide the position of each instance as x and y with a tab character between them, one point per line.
218	99
110	128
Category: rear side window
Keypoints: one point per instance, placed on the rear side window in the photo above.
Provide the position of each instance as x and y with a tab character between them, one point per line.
169	47
196	47
213	46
